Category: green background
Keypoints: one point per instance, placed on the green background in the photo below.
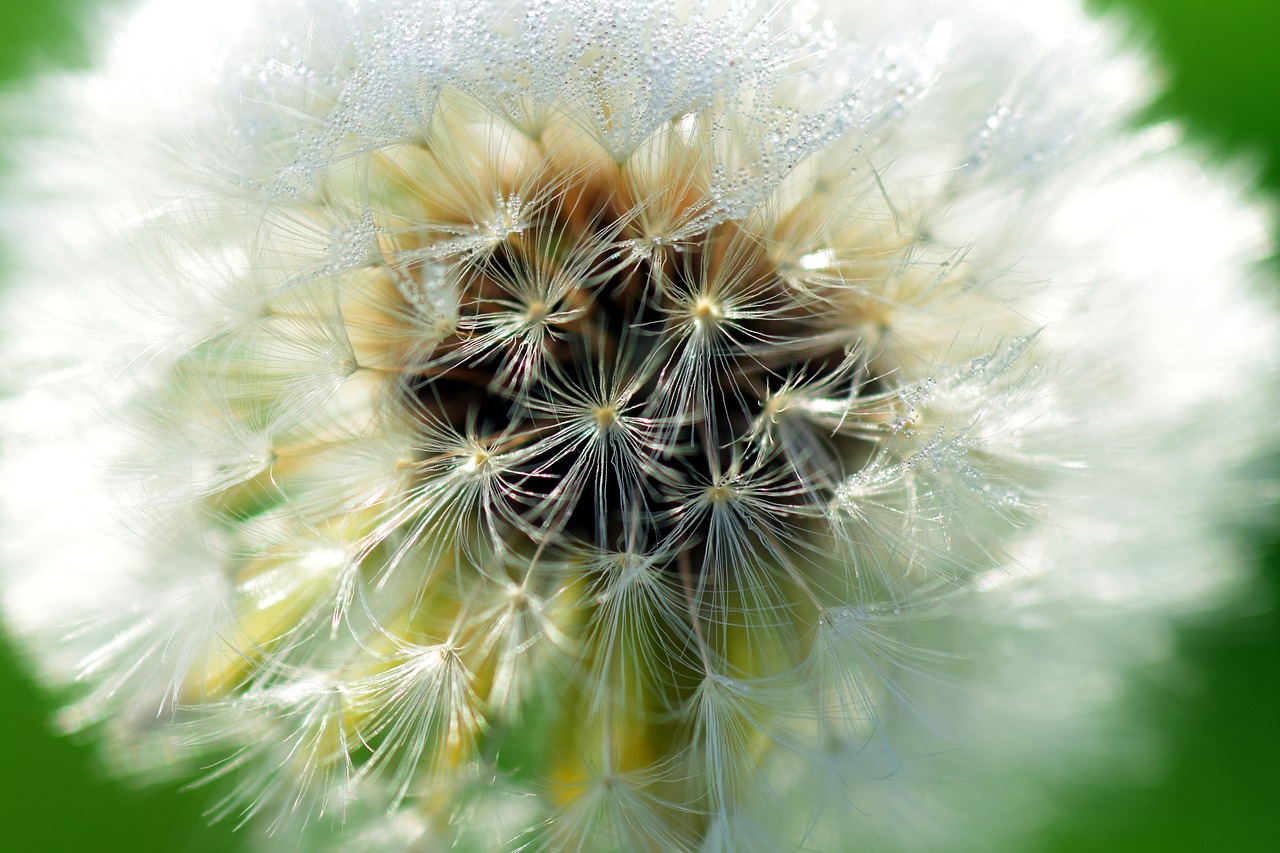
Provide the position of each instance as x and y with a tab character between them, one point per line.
1221	788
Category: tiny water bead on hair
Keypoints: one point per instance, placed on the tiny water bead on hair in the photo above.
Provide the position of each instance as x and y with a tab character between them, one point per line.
619	426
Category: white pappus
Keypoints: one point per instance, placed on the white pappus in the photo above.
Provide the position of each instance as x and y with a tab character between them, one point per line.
637	426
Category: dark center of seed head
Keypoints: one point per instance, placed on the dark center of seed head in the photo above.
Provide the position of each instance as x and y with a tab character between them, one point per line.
693	413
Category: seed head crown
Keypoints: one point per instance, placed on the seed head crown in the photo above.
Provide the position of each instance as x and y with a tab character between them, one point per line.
621	426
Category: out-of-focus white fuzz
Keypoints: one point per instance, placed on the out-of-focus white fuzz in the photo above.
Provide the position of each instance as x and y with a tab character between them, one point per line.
618	426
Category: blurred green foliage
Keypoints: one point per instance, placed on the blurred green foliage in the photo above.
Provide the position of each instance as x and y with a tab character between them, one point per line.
1221	788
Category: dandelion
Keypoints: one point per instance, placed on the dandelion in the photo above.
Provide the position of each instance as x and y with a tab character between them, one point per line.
568	425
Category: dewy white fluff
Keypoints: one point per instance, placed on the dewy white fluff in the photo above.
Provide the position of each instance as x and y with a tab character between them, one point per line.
581	425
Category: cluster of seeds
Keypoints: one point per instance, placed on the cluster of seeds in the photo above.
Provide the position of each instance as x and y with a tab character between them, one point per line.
625	389
557	457
568	472
617	425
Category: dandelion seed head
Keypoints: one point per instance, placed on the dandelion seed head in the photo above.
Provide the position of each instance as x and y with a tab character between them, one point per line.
625	426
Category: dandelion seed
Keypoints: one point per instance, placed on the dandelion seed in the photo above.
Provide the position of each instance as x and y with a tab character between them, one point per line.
625	426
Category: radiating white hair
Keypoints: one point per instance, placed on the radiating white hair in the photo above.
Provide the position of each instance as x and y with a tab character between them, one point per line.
583	425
